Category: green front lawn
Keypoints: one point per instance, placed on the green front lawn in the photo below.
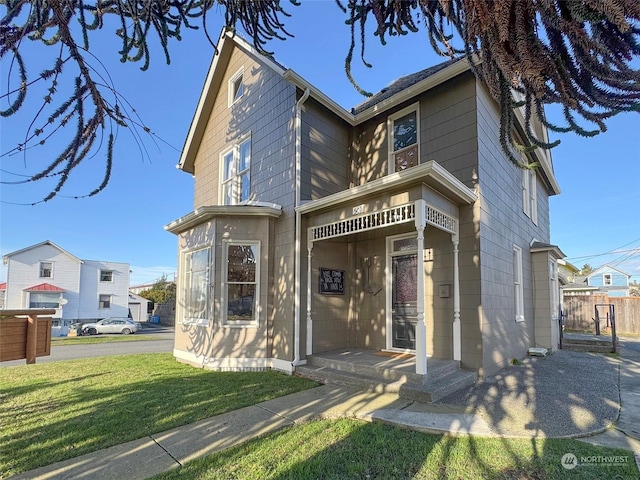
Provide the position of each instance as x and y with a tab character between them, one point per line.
351	449
54	411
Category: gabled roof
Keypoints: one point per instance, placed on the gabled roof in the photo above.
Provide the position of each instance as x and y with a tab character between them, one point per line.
403	89
607	267
547	247
44	287
5	258
399	85
371	107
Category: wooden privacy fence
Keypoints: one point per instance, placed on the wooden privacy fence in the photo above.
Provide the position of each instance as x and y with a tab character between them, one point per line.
579	312
25	334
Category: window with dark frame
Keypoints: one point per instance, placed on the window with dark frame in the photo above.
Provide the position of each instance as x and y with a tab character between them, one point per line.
46	269
104	301
106	275
404	132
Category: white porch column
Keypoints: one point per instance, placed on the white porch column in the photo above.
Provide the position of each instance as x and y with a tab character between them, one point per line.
457	336
309	319
421	326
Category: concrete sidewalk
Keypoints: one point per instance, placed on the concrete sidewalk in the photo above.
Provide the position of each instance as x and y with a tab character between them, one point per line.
513	404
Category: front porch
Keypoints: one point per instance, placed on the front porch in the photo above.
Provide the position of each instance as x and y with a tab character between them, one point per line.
386	372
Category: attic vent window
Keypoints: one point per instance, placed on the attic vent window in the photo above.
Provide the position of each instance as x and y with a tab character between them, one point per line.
236	86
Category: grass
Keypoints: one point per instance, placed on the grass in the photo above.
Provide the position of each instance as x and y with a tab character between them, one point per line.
86	340
54	411
351	449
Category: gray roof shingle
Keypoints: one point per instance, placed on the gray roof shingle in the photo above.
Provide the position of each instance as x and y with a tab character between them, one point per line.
400	84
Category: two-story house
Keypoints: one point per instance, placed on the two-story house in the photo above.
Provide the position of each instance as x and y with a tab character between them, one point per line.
397	227
47	276
610	280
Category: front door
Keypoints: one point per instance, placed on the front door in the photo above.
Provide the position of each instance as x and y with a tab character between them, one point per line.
404	301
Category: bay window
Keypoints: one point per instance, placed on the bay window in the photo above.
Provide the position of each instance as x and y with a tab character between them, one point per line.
241	275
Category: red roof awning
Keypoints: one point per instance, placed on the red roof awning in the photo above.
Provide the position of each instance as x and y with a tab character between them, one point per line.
44	287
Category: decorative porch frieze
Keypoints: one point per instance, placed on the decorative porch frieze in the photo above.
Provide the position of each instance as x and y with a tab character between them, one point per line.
362	223
441	220
382	218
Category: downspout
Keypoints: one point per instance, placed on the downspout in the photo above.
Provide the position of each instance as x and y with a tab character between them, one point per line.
296	296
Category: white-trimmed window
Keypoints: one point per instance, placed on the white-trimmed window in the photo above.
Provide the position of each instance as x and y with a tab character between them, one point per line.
106	275
236	86
530	194
518	287
104	301
240	282
607	279
235	176
403	129
196	286
46	269
44	299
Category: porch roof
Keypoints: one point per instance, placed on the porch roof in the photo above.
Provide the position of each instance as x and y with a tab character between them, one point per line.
203	214
430	173
44	287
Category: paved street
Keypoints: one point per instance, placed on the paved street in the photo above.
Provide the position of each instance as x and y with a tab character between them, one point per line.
69	352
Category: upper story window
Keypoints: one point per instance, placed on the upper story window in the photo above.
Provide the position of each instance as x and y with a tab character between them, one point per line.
236	86
106	275
607	279
530	194
236	173
403	130
46	269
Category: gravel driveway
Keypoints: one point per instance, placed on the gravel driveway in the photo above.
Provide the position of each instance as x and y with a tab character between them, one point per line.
564	394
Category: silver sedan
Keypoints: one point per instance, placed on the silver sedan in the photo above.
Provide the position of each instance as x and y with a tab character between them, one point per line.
110	325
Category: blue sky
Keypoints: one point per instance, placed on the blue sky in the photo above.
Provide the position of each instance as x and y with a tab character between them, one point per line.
595	220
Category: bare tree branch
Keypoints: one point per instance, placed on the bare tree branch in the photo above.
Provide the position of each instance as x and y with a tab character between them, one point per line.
574	53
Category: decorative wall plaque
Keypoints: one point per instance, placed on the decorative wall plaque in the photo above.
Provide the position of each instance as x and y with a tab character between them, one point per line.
331	281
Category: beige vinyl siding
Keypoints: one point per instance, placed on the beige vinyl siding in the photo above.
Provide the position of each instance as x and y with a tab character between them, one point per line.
325	152
266	112
215	340
503	224
447	134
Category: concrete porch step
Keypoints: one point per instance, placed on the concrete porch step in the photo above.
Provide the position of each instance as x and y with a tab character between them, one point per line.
390	369
581	347
434	389
588	343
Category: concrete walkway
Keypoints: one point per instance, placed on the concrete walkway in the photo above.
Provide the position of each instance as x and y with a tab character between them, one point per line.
544	397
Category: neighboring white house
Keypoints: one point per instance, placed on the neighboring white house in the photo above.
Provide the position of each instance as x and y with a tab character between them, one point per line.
47	276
